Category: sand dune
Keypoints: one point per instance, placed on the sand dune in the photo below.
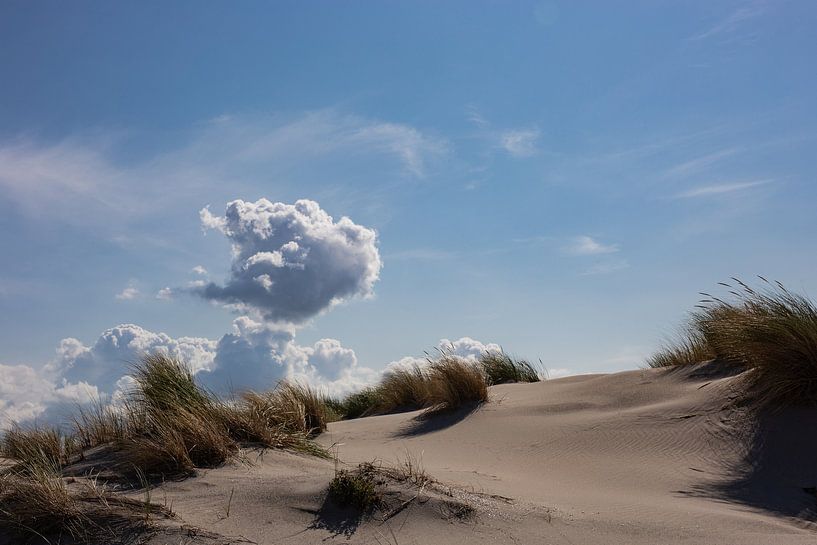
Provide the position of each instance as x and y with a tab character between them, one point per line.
649	456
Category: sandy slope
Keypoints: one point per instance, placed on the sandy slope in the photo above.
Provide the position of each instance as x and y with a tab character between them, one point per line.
637	457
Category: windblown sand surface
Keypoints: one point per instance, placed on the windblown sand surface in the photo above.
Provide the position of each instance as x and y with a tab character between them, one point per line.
641	457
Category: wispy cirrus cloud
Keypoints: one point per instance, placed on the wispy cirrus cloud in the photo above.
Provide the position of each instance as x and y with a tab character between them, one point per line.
586	245
329	133
473	115
605	263
80	181
700	163
61	178
721	189
517	142
520	142
733	22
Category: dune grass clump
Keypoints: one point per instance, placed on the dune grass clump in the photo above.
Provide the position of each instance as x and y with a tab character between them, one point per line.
384	491
98	423
292	406
175	443
309	409
253	422
774	333
446	382
257	419
688	349
185	427
356	404
177	426
36	446
454	382
402	389
164	383
36	502
286	417
500	368
167	425
771	331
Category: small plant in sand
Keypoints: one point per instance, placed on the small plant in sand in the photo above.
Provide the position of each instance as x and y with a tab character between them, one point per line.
384	491
359	489
409	470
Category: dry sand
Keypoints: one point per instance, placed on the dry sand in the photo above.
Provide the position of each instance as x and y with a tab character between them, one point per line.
640	457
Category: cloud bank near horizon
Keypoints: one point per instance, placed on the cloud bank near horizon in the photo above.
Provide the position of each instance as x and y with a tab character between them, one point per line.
254	355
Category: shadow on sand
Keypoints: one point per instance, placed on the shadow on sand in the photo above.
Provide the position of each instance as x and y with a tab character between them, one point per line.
339	521
778	471
430	422
712	369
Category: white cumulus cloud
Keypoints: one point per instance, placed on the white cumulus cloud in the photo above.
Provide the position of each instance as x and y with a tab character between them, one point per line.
256	355
164	294
464	347
291	261
128	294
109	358
468	348
26	395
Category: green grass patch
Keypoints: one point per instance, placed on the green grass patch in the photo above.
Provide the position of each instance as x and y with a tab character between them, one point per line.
359	489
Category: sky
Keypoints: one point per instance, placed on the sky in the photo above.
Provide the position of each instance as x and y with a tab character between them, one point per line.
322	189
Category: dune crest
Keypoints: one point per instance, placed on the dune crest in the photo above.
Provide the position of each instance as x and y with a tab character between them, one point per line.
639	457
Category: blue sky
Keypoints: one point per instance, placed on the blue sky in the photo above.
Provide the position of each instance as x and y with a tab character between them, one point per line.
557	178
